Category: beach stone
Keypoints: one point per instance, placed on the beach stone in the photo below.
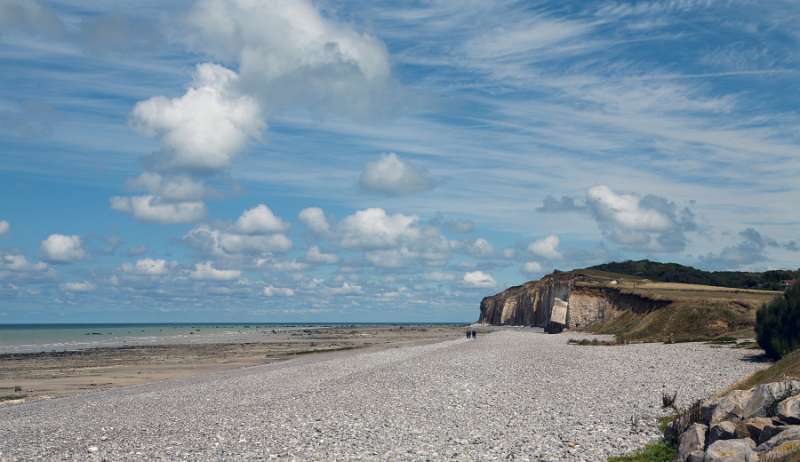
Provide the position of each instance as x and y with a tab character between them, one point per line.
787	439
725	430
730	406
693	439
731	451
755	427
769	431
765	395
789	410
516	394
744	404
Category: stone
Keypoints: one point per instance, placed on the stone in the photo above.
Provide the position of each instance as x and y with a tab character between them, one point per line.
755	427
731	451
789	410
764	397
728	407
696	456
693	439
787	439
92	449
725	430
770	431
745	404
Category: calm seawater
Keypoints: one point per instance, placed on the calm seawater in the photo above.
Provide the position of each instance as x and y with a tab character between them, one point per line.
28	338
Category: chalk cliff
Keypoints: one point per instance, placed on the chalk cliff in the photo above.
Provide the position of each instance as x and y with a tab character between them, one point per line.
589	299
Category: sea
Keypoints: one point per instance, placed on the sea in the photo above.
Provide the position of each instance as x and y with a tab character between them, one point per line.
36	338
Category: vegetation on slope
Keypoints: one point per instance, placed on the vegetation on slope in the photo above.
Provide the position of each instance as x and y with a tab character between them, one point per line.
778	324
691	315
787	368
673	272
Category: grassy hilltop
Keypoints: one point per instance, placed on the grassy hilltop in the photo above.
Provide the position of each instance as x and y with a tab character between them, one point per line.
699	306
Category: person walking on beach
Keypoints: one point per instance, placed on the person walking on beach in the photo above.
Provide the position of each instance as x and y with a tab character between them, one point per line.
469	334
474	334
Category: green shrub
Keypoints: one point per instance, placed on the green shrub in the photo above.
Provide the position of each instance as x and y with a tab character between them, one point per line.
778	324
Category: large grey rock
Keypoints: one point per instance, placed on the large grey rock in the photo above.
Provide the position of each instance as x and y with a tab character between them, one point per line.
770	431
744	404
755	427
765	396
693	439
730	406
787	441
725	430
731	451
789	410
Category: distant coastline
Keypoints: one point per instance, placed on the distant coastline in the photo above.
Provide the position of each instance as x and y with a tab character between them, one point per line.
53	337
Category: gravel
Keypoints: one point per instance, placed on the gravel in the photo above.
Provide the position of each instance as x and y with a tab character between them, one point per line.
514	394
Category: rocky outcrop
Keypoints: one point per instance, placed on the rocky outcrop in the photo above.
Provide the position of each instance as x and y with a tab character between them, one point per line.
744	425
588	300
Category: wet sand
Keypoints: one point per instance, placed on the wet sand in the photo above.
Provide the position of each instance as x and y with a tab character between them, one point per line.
32	376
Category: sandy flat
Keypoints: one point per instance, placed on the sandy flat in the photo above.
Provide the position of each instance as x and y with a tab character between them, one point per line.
59	373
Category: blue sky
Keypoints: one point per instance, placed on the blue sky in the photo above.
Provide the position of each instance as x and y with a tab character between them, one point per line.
265	160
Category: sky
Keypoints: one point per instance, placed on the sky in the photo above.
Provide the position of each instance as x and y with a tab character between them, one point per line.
337	161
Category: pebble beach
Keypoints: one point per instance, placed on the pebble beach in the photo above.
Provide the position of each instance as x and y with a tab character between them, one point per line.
513	394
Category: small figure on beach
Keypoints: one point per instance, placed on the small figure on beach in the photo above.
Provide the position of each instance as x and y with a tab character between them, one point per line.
474	334
469	334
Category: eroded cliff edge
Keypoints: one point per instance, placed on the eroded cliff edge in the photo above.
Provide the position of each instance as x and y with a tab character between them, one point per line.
590	298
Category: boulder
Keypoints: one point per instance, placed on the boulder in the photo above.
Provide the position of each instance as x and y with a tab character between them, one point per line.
755	427
744	404
784	442
725	430
789	410
693	439
731	451
770	431
729	407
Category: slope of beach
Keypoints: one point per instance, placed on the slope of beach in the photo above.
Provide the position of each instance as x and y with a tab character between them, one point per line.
515	393
30	370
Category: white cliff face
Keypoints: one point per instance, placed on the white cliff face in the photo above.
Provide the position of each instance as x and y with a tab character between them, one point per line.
531	304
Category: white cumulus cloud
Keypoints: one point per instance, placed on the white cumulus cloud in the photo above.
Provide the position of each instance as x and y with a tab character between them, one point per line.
345	289
169	187
78	287
393	176
4	227
207	272
270	291
290	55
546	247
531	267
374	228
19	263
60	248
315	219
480	247
147	267
220	243
260	220
479	279
206	127
153	209
315	255
646	223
